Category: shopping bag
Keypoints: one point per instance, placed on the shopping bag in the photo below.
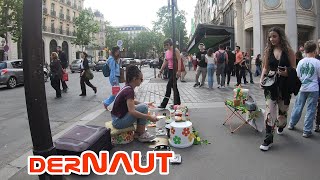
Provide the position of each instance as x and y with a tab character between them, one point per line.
115	90
65	76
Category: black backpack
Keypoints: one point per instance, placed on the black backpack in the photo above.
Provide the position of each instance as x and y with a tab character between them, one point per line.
222	57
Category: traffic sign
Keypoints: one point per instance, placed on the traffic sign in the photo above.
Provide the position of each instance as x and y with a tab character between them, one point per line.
119	43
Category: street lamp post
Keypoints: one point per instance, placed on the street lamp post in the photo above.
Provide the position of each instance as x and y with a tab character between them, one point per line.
34	83
173	3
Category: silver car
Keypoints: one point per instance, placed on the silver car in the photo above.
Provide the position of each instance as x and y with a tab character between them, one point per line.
11	73
76	64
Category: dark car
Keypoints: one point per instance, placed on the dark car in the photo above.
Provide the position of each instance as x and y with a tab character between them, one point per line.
100	64
127	61
155	64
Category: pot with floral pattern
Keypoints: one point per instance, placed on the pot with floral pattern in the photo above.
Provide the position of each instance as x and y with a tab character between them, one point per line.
181	134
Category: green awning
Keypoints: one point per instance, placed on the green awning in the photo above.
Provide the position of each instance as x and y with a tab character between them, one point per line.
211	35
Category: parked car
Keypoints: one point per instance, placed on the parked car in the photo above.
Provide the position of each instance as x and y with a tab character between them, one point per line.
127	61
11	73
155	64
75	65
147	61
100	64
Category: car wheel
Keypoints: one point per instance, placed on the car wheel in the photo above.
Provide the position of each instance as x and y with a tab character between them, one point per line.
72	71
12	82
45	77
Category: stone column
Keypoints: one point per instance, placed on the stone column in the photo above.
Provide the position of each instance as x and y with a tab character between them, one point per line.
46	49
257	29
317	30
238	24
291	26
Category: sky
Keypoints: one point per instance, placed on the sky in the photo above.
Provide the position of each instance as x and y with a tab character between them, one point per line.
137	12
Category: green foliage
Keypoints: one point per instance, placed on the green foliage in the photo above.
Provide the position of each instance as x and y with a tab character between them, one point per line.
11	13
113	35
164	25
86	27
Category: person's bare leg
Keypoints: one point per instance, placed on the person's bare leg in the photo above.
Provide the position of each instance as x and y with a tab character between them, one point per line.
140	129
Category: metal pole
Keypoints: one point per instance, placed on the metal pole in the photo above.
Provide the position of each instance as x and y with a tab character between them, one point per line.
174	51
34	83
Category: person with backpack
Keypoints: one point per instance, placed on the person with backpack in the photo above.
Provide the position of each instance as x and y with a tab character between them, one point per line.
222	61
112	69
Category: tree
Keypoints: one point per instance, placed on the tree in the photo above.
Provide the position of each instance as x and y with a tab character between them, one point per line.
86	27
164	25
11	14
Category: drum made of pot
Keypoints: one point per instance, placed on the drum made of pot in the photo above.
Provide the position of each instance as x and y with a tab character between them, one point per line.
181	134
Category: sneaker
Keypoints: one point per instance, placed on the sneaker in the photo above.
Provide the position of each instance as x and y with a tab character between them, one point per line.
146	137
267	143
95	90
279	131
246	82
222	87
136	135
82	94
65	90
306	135
291	127
161	107
196	84
201	85
237	85
317	128
219	86
251	82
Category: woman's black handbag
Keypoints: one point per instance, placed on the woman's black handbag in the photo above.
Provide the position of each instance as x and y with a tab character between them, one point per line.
269	80
88	74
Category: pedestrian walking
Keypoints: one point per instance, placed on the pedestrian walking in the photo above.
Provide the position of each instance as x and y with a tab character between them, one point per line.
239	60
194	62
308	71
278	53
85	75
127	111
64	64
168	44
114	78
211	60
246	67
230	65
258	65
184	60
222	61
55	73
202	66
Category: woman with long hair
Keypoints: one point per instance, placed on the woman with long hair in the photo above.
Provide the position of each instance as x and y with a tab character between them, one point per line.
211	60
83	75
55	73
279	57
127	110
114	78
168	44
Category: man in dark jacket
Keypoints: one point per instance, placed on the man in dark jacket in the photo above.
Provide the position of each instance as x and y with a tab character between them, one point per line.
64	63
230	65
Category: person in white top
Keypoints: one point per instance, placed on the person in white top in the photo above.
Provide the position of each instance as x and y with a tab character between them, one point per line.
211	61
308	71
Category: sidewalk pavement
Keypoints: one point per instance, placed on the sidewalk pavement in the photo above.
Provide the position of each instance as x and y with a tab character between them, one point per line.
229	156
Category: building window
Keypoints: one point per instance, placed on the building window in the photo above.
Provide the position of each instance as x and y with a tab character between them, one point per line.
61	9
272	4
306	4
68	12
44	3
52	7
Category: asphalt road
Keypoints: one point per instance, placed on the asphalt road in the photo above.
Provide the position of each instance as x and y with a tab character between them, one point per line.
15	137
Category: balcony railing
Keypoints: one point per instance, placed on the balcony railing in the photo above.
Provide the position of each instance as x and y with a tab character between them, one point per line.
68	17
61	16
53	30
44	28
74	33
45	10
60	31
53	13
68	33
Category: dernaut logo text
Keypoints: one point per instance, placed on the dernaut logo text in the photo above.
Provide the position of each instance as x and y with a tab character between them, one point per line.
89	161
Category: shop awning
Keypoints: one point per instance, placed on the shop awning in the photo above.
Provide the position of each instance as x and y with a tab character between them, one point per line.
211	36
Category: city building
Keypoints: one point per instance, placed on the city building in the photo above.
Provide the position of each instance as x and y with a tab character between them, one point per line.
97	48
59	28
132	31
251	20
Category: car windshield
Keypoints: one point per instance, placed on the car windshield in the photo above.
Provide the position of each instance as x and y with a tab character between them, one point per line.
3	65
76	61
